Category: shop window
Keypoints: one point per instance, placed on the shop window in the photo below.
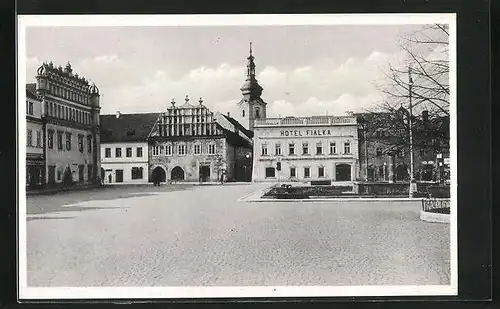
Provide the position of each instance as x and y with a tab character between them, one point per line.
137	172
270	172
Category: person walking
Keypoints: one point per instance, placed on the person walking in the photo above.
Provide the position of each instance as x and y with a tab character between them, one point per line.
222	177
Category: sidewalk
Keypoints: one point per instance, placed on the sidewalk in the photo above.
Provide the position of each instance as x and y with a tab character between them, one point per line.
61	189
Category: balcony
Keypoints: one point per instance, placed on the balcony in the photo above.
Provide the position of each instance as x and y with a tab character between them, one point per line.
305	121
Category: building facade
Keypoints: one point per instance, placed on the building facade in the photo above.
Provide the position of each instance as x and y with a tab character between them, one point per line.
70	109
385	152
124	147
307	149
191	143
35	161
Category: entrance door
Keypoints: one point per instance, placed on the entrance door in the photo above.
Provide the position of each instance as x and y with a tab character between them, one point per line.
205	173
343	172
119	175
158	175
52	174
80	172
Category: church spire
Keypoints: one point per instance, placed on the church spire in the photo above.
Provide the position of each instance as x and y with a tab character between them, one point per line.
251	88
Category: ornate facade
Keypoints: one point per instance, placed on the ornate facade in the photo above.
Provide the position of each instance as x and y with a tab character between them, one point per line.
70	109
191	143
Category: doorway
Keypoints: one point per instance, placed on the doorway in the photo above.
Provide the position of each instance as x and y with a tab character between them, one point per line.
52	174
80	173
158	175
119	175
204	173
177	173
343	172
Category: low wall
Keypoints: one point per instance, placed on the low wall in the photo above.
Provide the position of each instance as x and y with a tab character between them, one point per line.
385	188
434	217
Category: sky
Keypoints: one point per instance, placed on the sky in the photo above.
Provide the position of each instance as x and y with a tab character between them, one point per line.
304	70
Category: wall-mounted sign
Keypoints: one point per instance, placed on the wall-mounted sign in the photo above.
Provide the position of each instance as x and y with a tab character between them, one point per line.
309	132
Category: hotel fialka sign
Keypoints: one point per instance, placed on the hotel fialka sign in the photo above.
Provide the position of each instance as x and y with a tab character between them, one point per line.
308	132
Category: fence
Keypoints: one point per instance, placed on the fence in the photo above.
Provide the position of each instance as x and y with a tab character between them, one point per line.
430	204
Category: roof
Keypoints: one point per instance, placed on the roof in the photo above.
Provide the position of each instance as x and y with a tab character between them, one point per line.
127	128
31	91
239	126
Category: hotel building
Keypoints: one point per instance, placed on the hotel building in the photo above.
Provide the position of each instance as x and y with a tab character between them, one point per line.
318	148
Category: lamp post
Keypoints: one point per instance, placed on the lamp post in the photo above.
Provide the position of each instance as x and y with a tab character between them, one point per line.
410	125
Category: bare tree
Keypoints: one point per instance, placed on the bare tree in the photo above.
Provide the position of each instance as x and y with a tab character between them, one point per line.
427	60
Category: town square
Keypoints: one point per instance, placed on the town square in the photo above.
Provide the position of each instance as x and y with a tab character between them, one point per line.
239	156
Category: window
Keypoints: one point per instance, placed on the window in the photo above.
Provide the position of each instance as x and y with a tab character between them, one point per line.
197	149
270	172
333	148
118	152
307	172
38	138
30	108
181	149
321	171
264	150
138	152
305	148
379	152
59	111
319	148
59	174
278	149
59	141
137	172
422	152
89	143
107	152
243	113
293	172
129	152
68	141
347	147
29	139
211	149
50	139
401	153
291	149
156	150
257	113
168	150
80	143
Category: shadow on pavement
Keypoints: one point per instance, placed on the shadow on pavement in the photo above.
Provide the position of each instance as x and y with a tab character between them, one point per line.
41	204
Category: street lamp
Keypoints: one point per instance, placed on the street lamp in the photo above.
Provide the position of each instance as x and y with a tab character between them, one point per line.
410	85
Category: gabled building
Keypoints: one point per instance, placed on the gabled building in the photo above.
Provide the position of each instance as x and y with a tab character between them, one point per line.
70	109
124	147
191	143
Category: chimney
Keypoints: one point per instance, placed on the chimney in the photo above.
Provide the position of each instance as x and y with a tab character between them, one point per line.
118	114
228	114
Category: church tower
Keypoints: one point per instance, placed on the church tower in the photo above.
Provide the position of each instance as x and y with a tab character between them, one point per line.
252	106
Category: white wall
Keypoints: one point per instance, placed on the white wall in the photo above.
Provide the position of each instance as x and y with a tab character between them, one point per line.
113	163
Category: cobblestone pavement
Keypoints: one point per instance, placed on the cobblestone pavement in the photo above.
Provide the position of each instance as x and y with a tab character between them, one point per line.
201	236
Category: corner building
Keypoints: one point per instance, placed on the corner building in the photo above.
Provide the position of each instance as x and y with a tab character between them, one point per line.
70	116
318	148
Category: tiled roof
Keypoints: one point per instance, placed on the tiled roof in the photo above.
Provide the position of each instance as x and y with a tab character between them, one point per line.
31	91
127	128
239	126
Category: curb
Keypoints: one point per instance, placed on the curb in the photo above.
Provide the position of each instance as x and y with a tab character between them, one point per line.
62	190
434	217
